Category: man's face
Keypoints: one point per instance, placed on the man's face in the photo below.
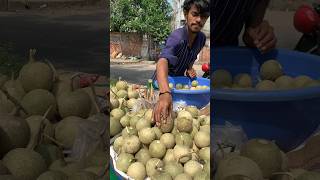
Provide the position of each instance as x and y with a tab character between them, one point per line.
195	20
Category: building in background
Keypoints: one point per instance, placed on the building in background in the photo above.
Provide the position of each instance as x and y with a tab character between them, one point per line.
178	17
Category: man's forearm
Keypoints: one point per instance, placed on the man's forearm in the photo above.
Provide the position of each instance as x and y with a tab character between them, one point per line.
258	14
162	75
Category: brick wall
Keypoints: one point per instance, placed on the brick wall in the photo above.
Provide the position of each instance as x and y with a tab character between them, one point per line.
129	44
204	55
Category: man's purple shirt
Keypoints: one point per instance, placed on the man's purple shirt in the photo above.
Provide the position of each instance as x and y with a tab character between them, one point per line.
180	57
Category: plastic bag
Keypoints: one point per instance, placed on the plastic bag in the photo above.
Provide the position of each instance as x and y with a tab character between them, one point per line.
226	139
179	105
102	103
228	134
142	104
90	136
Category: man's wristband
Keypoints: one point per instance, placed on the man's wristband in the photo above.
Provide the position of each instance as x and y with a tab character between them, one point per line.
166	92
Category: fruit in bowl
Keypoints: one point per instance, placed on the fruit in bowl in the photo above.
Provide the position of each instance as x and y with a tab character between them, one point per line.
194	86
271	77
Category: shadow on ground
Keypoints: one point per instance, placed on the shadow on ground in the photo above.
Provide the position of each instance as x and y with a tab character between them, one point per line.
132	75
80	46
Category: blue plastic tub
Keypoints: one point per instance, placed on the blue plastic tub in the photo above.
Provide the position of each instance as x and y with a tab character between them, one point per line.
198	98
287	116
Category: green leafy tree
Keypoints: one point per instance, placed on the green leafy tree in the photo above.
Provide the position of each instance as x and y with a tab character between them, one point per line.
150	17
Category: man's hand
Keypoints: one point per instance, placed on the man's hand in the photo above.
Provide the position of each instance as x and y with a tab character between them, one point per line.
163	109
192	73
261	36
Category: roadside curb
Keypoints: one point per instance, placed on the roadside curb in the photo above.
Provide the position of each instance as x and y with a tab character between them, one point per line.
122	61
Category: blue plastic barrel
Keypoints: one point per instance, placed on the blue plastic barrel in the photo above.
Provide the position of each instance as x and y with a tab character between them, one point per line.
286	116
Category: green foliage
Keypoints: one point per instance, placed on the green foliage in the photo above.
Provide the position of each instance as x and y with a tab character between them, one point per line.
151	17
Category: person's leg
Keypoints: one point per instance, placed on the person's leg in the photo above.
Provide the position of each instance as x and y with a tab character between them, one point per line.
26	4
6	3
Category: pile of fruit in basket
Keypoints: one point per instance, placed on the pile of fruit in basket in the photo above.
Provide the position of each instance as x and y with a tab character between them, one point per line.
272	77
261	159
177	149
42	114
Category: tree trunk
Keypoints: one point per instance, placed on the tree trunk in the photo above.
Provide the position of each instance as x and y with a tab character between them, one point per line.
144	47
4	5
149	47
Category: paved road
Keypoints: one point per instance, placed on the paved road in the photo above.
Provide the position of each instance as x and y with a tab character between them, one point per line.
133	73
70	39
138	73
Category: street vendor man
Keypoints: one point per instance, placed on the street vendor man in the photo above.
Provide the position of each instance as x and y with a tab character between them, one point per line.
229	17
181	50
